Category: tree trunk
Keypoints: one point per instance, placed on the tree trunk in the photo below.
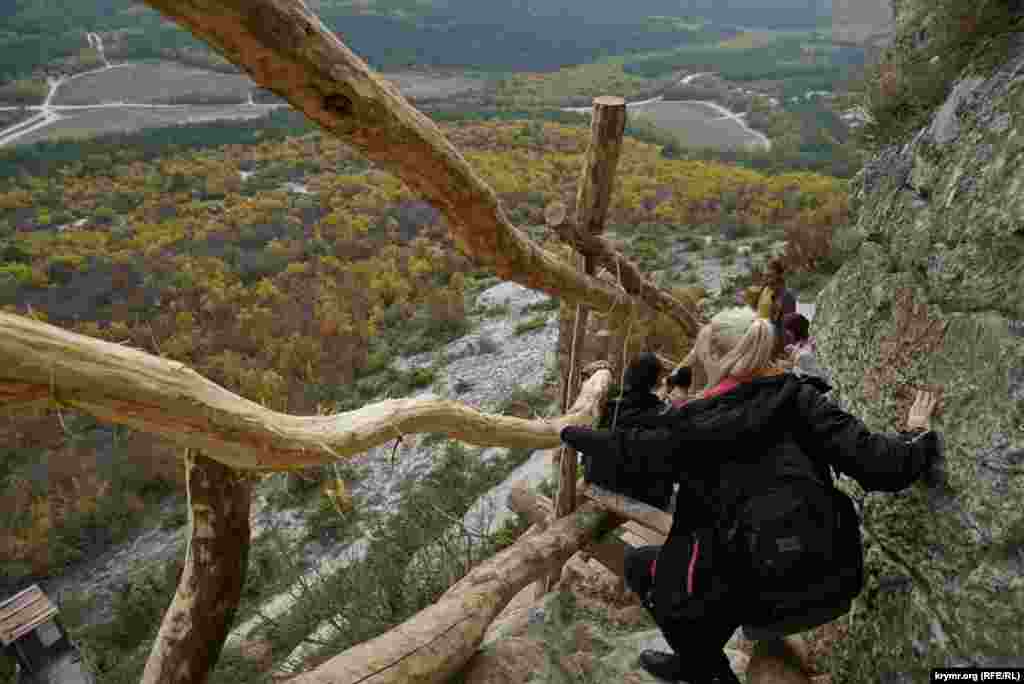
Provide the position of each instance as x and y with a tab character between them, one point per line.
197	622
436	643
120	385
594	192
287	49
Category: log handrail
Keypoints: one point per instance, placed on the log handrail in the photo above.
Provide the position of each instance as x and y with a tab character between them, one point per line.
121	385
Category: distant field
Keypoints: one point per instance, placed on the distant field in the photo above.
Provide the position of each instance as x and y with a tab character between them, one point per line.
162	82
91	122
696	125
579	82
417	84
153	82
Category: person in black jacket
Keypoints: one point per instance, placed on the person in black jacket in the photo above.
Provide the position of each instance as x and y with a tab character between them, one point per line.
752	425
638	401
638	397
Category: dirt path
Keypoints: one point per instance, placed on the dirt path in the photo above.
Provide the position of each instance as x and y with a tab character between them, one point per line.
48	113
686	80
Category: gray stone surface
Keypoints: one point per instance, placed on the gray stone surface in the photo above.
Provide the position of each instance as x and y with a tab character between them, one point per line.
930	297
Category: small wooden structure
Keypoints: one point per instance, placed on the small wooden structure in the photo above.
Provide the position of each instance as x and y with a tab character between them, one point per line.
31	633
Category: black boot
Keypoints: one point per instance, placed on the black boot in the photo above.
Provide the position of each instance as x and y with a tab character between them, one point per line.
667	666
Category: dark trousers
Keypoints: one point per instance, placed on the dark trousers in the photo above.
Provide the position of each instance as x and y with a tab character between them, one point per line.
697	636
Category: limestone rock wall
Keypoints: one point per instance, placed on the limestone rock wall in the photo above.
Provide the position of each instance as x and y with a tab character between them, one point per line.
933	294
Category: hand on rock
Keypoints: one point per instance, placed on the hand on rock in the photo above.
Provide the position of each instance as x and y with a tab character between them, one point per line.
920	414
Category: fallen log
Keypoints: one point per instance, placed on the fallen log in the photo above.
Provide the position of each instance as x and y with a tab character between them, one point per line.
436	643
126	386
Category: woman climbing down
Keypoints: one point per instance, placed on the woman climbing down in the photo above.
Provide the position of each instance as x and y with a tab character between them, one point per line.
755	430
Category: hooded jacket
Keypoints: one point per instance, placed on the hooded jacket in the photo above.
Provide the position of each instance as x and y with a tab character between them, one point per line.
627	473
721	448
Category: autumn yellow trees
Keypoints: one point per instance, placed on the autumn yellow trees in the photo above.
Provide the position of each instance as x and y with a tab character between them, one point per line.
264	288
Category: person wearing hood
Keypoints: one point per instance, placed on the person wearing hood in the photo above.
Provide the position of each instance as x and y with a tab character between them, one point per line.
637	401
638	397
751	427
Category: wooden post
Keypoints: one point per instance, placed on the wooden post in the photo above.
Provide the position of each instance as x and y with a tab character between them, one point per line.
196	624
597	180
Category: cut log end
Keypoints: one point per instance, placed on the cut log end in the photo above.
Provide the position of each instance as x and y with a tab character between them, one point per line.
609	101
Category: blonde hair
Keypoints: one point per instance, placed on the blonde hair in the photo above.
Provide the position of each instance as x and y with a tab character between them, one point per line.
736	342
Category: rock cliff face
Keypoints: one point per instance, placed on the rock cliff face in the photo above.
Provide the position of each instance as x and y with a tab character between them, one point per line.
931	294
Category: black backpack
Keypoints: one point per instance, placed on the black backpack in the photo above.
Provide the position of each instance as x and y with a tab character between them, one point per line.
798	542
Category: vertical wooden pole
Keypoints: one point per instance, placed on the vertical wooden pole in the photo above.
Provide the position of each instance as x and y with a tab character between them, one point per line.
593	196
197	622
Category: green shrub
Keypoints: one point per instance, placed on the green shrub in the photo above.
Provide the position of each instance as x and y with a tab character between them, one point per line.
495	311
525	403
550	304
19	273
413	557
723	250
530	324
911	80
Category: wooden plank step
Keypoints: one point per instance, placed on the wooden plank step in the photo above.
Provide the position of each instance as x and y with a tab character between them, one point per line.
23	612
644	534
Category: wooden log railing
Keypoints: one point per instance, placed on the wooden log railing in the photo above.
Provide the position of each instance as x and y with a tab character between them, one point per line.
40	362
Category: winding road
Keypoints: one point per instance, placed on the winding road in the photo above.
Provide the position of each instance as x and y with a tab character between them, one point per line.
725	113
49	113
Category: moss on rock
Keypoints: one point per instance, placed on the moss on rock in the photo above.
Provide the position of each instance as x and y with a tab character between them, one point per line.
934	296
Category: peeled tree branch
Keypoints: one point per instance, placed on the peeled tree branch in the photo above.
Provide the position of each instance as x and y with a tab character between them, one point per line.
121	385
287	49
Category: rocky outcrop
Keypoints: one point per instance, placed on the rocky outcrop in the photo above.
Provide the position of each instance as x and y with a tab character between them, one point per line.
931	295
